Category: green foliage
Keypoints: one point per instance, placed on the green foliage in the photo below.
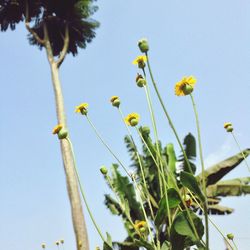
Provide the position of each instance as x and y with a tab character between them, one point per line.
180	234
56	15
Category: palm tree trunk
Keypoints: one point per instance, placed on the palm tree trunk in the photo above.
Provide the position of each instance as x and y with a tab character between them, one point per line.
67	155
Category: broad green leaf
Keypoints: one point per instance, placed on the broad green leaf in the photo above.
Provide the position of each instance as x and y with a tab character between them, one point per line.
189	181
218	171
182	226
165	246
173	201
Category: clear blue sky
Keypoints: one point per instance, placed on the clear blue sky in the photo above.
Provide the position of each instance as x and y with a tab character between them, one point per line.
207	39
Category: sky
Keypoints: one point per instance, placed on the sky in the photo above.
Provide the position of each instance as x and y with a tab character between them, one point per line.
207	39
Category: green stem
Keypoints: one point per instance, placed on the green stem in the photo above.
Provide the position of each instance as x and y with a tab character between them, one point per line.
83	193
235	245
107	146
205	204
121	206
242	153
140	164
145	214
167	115
150	106
216	227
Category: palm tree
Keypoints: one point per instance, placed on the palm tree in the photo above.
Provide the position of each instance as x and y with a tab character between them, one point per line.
60	27
126	204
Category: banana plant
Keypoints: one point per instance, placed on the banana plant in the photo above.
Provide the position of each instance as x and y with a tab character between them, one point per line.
126	205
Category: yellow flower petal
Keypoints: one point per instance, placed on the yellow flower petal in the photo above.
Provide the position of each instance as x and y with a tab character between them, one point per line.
140	59
57	128
82	106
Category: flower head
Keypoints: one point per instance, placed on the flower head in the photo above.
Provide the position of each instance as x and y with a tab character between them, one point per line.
104	170
187	200
61	132
43	245
228	126
230	236
140	225
57	243
185	86
115	101
62	241
140	81
140	61
82	108
132	119
57	128
143	45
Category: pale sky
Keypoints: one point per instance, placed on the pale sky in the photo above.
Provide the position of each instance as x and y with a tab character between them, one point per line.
207	39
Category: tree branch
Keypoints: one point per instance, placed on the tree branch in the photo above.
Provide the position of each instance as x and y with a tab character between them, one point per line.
65	47
27	25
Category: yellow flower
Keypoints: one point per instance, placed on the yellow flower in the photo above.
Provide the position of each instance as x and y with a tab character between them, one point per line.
140	61
57	128
140	225
132	119
185	86
115	101
82	108
227	124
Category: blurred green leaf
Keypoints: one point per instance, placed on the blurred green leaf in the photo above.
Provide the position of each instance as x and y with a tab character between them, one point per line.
189	181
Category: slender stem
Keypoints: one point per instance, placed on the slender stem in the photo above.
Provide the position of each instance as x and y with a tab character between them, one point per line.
121	206
167	115
140	164
216	227
83	193
145	215
235	245
150	106
205	204
242	153
106	145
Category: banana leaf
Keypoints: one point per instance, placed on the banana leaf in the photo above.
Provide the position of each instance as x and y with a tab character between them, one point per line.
218	171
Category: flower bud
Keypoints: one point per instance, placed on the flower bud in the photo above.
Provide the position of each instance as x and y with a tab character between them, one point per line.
187	200
140	81
63	133
57	243
145	130
62	241
103	170
230	236
82	108
143	45
187	89
132	119
43	245
228	126
115	101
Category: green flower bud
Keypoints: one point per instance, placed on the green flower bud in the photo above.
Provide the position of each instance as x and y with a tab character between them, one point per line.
63	133
143	45
140	81
116	103
145	130
230	129
187	89
230	236
104	170
142	229
133	122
